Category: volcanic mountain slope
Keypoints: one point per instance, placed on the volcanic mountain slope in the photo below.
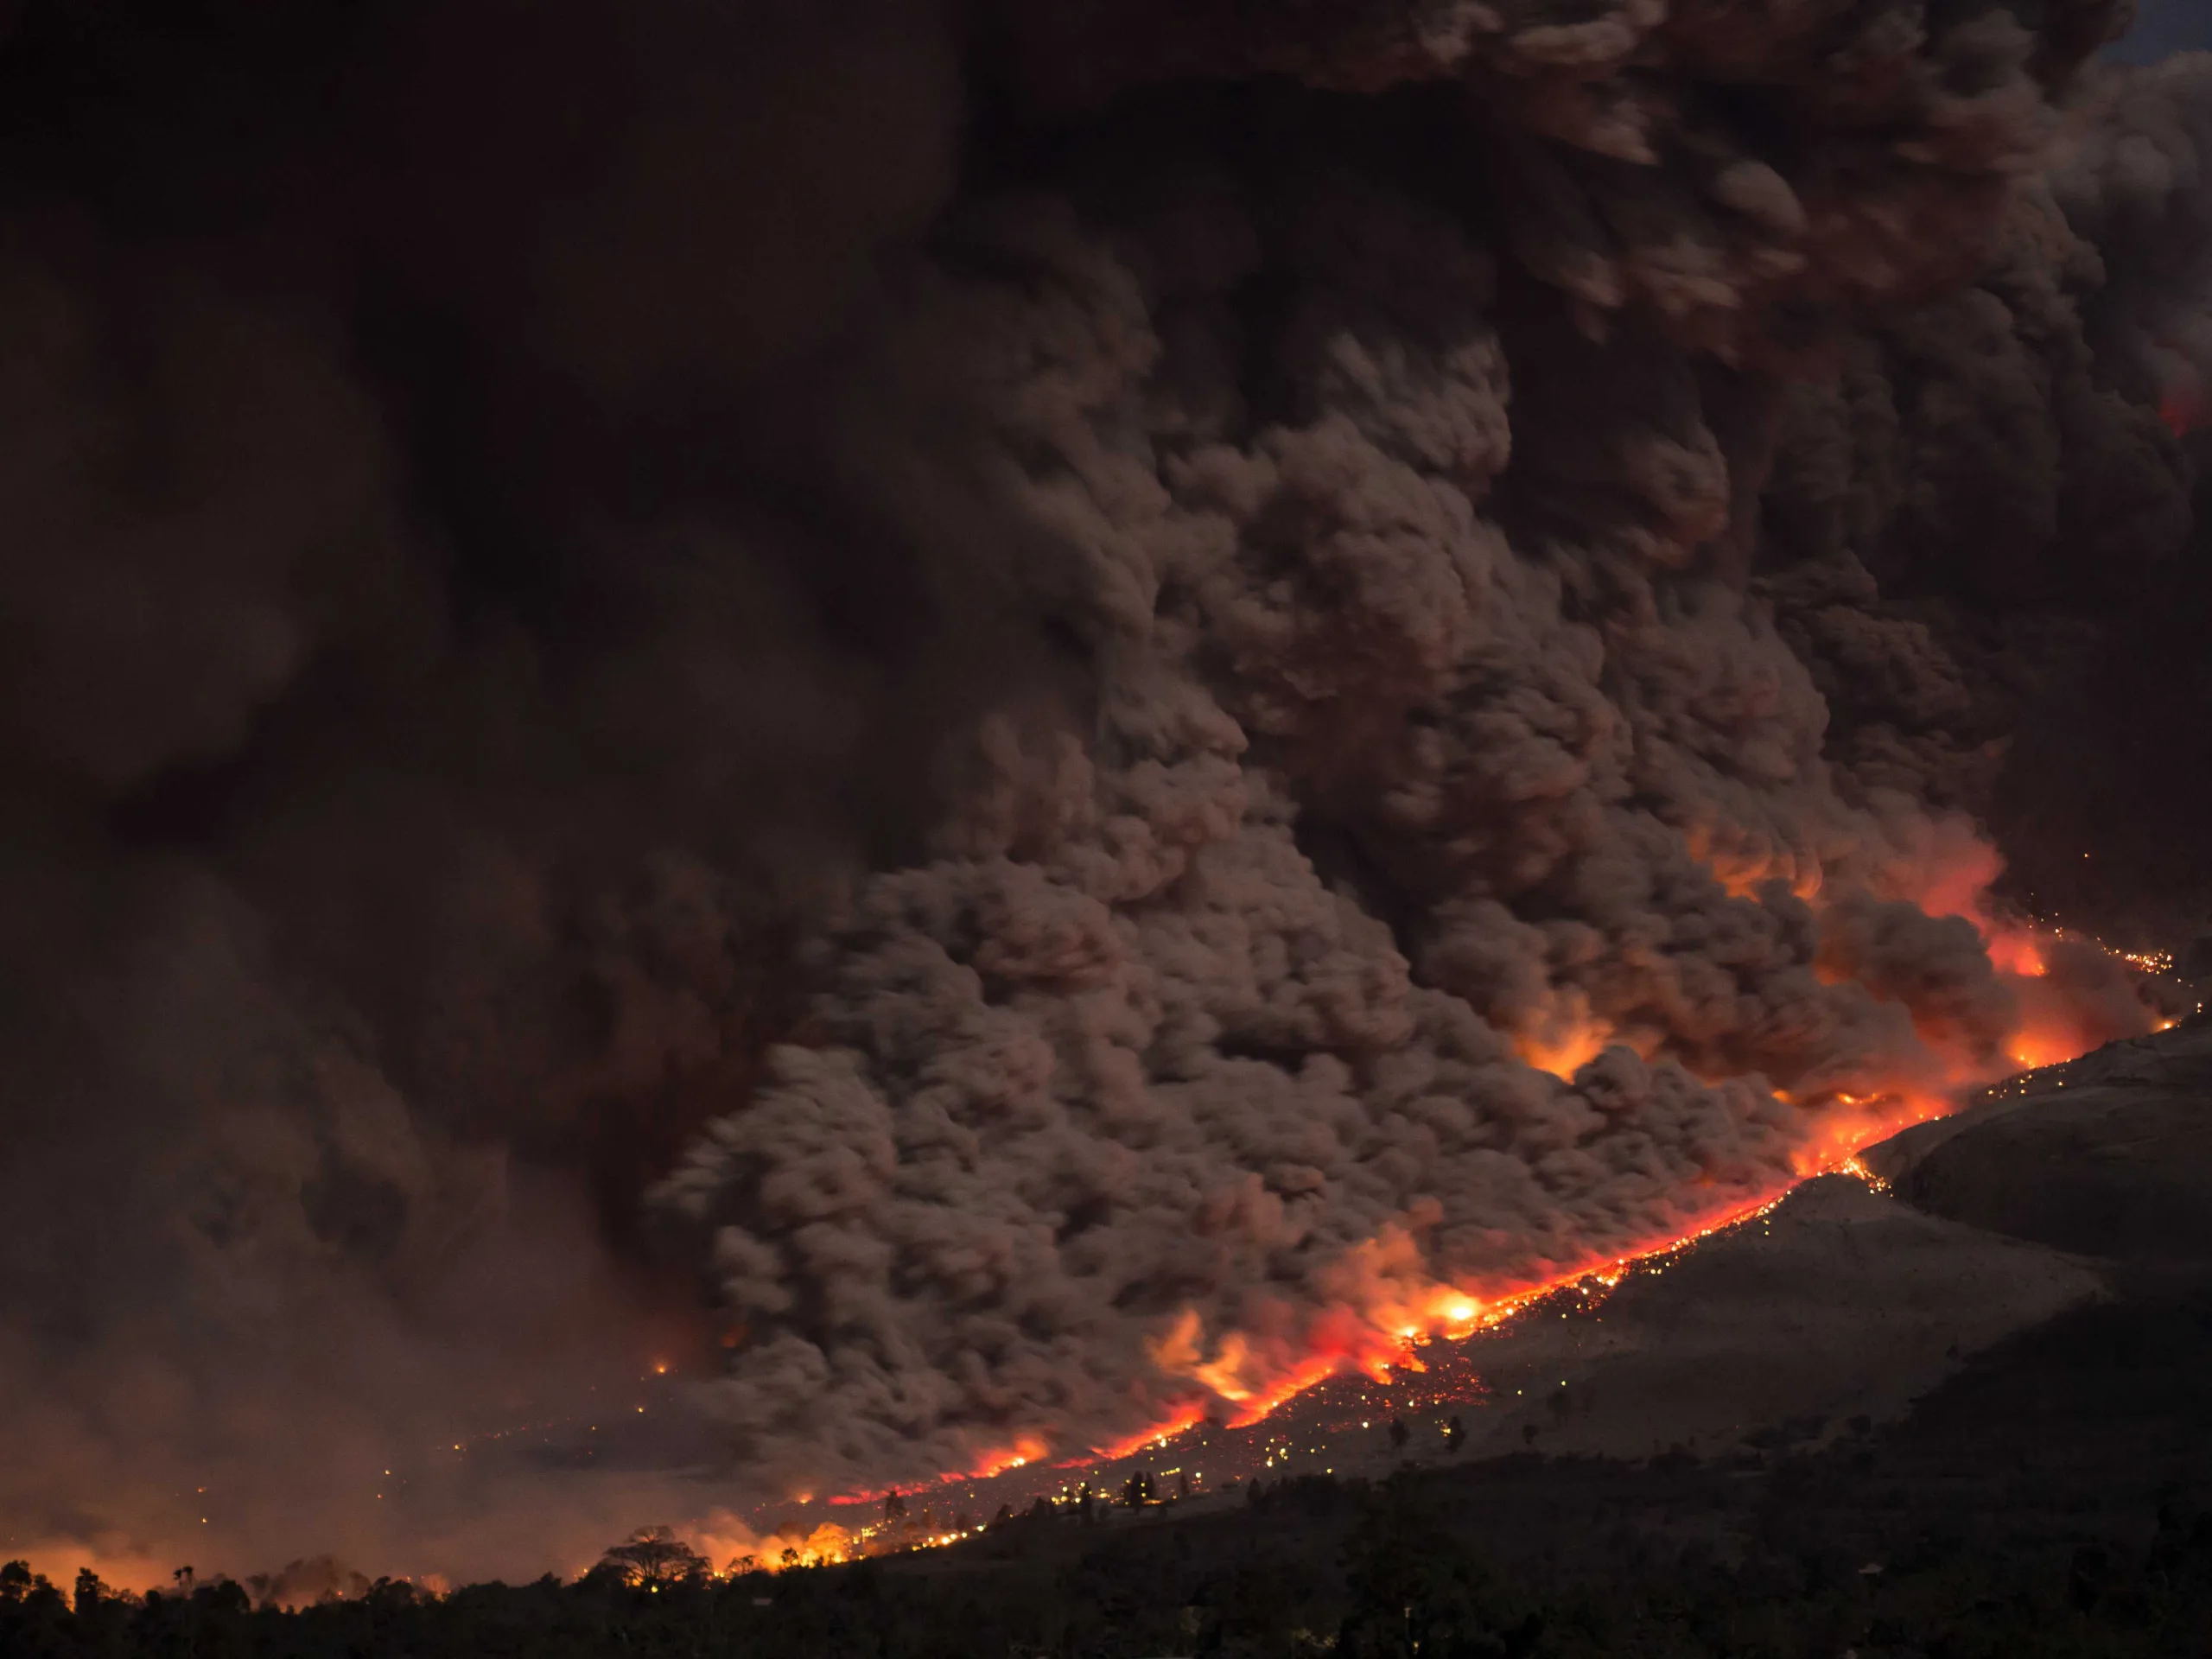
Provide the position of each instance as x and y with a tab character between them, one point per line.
2110	1155
1842	1302
2055	1187
2062	1186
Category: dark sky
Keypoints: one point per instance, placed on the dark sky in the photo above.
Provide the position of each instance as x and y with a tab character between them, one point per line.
2166	26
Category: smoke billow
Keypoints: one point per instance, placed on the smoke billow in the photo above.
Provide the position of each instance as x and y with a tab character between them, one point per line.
421	757
1057	700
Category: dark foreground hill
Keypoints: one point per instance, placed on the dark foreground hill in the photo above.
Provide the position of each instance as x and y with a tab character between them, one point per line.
2109	1155
2054	1498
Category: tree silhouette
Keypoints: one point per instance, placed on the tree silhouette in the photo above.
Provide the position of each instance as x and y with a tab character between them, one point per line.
1138	1491
1415	1589
653	1556
1399	1434
1454	1432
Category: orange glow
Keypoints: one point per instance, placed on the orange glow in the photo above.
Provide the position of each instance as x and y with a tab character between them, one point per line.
2181	405
1564	1055
730	1545
1953	879
118	1565
1380	1337
1380	1300
1741	866
1022	1452
1383	1302
1565	1037
2015	950
1316	1369
2032	1049
1189	1414
1949	873
827	1543
1855	1168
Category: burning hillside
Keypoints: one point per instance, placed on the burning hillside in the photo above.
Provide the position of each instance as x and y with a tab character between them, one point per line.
1021	724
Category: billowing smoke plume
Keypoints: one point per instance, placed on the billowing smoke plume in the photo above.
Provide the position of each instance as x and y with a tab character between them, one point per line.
1429	726
2132	178
1028	656
424	737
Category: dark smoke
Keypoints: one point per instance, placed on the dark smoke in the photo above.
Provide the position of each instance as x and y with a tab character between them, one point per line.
426	732
1018	647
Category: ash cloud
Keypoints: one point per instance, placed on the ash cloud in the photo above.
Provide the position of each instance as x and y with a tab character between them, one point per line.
922	690
422	755
1431	709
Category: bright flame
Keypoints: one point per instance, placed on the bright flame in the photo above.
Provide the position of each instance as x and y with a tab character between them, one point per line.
2033	1050
1953	877
1743	864
1022	1452
1402	1309
1857	1169
732	1548
1189	1414
1565	1037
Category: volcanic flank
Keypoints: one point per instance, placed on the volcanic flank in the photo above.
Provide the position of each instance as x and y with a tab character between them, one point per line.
1015	724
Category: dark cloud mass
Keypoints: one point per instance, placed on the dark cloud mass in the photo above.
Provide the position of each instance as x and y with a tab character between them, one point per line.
940	699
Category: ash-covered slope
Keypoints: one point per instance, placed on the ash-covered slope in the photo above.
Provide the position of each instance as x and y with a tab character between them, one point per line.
2054	1188
1839	1303
2110	1155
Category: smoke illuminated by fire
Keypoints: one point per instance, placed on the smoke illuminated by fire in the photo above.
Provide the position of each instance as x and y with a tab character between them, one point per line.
1380	1300
2182	403
1566	1038
1385	1303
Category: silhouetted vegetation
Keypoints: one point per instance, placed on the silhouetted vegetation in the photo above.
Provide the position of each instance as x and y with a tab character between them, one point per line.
654	1558
2055	1499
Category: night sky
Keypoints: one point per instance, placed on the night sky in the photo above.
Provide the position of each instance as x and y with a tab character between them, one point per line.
2165	27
